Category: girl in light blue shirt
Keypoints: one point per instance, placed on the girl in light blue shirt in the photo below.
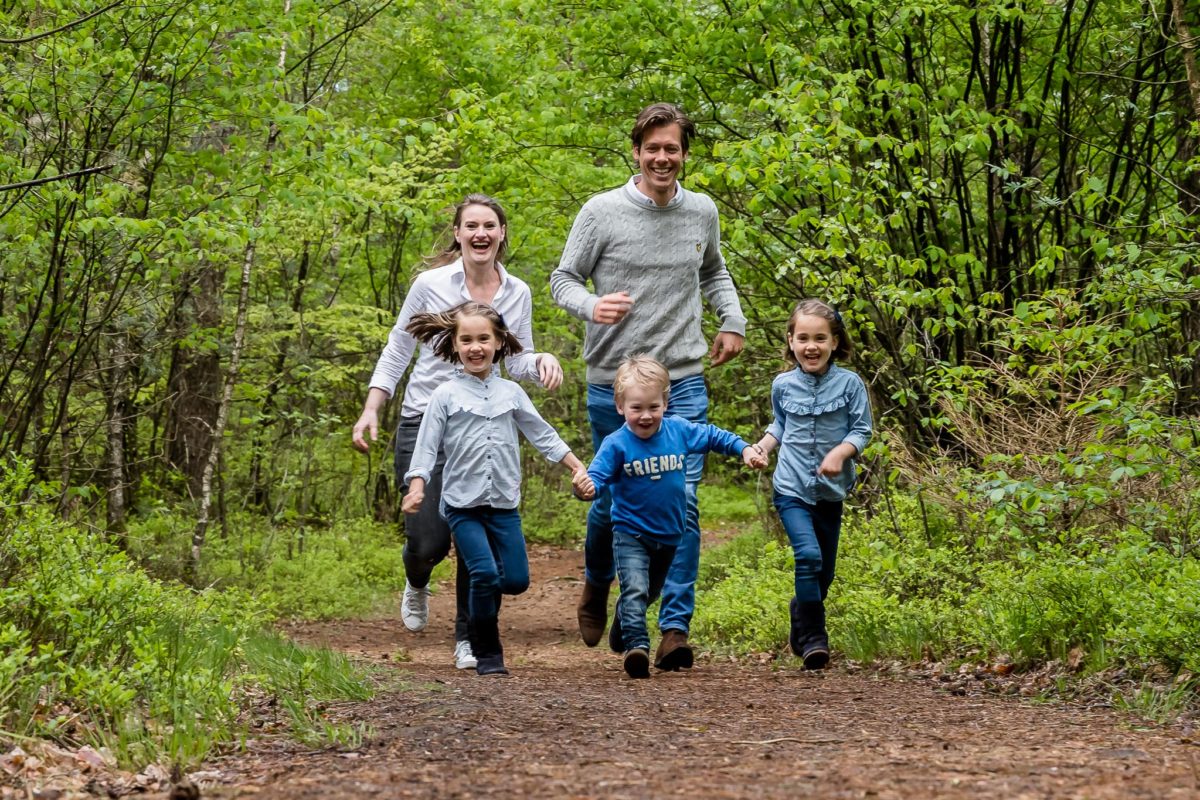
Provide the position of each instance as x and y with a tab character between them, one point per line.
822	422
474	417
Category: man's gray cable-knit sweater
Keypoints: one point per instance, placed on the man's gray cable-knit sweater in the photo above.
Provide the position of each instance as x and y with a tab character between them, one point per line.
665	257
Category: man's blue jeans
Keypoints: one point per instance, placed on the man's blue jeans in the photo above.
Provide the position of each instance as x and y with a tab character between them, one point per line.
642	566
813	530
493	548
688	399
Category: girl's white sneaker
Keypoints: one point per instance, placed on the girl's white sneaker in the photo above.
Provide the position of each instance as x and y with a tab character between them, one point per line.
463	657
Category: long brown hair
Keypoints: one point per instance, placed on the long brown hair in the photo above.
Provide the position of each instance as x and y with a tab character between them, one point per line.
438	329
811	307
453	249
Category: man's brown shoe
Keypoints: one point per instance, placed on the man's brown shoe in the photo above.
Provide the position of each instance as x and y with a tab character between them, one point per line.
592	612
674	652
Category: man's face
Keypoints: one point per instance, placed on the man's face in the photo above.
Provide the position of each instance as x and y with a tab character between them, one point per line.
660	158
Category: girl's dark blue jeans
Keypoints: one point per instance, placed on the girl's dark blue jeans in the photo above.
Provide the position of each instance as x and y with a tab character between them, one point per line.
493	548
813	530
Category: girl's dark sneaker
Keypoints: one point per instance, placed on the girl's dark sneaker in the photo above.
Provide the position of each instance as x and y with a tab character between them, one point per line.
637	663
490	665
816	656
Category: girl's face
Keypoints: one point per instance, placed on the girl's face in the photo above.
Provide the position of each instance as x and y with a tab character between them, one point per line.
812	343
479	234
476	343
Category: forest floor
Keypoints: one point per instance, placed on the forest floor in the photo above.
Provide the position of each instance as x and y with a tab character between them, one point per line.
569	723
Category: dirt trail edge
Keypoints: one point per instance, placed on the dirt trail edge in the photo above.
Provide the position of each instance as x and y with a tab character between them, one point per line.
568	723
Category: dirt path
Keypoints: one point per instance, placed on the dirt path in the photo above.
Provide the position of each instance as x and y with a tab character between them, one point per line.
568	723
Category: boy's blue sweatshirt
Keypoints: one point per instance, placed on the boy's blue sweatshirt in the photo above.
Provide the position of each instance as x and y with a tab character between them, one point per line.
646	476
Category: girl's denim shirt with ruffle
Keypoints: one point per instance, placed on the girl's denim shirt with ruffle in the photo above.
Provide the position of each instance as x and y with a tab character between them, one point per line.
813	415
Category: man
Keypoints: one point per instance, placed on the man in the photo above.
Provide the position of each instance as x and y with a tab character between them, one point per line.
651	249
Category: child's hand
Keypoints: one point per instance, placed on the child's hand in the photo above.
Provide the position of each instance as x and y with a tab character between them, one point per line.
753	457
832	464
583	486
412	501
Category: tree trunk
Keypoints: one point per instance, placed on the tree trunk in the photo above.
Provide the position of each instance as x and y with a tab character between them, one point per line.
194	381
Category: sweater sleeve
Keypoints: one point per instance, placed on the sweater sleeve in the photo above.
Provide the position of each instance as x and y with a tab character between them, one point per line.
605	468
716	284
568	281
704	438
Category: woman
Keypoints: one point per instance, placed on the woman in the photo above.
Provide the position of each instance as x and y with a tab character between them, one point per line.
468	268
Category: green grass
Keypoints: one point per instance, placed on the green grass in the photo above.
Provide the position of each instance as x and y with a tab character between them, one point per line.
911	586
92	649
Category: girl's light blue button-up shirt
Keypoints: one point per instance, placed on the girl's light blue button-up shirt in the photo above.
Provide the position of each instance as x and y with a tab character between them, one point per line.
813	415
476	422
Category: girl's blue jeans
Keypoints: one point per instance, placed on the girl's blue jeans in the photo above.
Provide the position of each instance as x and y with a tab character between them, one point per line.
688	399
493	548
642	566
813	530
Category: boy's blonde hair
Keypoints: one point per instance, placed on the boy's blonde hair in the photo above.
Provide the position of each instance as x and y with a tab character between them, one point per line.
641	370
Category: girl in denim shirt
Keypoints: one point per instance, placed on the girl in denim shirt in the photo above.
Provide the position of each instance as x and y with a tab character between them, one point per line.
822	421
474	417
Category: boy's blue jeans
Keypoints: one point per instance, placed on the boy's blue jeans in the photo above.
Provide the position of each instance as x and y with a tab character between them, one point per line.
813	530
642	566
493	548
688	399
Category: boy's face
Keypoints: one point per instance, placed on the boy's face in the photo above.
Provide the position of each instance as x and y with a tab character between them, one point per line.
643	407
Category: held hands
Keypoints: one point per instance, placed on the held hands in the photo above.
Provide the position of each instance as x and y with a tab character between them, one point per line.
753	457
582	485
612	308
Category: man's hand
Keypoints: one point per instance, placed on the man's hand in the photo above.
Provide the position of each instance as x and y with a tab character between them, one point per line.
612	308
550	371
725	347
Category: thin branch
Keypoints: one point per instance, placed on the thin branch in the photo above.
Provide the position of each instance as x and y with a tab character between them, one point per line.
63	176
62	28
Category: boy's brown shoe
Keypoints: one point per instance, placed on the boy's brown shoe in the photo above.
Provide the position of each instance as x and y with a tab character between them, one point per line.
674	652
592	612
637	663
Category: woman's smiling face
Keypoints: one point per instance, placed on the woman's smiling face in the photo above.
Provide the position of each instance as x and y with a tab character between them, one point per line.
479	234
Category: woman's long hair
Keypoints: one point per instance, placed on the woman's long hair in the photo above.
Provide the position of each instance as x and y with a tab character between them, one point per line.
438	329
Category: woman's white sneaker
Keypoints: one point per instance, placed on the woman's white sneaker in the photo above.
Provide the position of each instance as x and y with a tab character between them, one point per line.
463	657
414	608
